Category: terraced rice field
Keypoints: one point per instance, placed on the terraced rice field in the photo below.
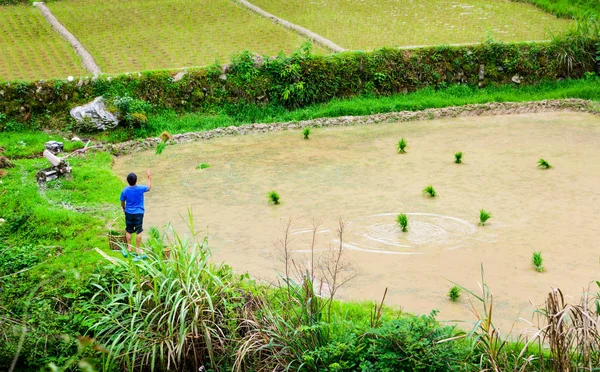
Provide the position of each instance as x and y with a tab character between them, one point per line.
150	34
30	49
371	24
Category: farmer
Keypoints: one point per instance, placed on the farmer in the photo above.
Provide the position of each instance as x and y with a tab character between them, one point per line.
132	201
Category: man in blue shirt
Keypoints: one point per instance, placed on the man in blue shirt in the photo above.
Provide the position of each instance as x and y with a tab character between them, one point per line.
132	202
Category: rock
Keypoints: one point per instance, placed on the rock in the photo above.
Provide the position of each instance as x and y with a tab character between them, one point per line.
76	139
178	77
2	220
481	72
97	113
70	79
516	79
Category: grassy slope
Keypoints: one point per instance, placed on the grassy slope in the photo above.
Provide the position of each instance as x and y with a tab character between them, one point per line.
149	34
427	98
372	24
566	8
30	49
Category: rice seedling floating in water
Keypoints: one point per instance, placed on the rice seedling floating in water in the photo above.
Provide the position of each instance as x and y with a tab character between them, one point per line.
536	261
454	293
160	148
402	221
458	157
273	197
306	132
542	163
429	191
203	166
484	216
401	146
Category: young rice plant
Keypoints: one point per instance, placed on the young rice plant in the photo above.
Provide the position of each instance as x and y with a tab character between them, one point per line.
483	217
458	157
454	293
306	132
429	191
402	221
536	261
203	166
401	146
273	197
542	163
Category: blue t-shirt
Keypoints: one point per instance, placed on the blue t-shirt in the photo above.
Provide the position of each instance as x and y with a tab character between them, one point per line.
133	196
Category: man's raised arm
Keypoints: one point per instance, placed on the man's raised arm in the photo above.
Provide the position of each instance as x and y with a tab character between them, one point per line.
149	179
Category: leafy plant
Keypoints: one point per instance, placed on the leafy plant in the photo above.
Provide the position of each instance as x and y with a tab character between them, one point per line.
429	191
402	221
454	293
458	157
203	166
536	261
401	146
273	197
306	132
484	216
542	163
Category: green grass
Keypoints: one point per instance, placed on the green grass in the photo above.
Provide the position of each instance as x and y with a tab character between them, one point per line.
566	8
429	191
484	216
542	163
273	197
458	157
150	34
372	24
30	49
28	143
423	99
537	261
454	293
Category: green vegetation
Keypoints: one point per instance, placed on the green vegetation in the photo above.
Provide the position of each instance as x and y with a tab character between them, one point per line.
273	197
483	217
454	293
156	34
536	261
458	157
306	132
400	148
567	8
203	166
542	163
429	191
31	49
372	24
402	221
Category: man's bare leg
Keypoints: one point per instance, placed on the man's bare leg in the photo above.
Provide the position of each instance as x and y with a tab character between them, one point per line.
128	238
138	242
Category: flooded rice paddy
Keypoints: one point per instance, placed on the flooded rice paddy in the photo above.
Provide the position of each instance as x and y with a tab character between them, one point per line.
355	174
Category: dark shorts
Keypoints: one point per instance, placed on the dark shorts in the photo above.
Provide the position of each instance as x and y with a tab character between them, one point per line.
133	223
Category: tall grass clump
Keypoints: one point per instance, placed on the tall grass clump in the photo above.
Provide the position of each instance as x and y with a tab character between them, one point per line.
273	197
484	216
543	164
458	157
401	147
306	132
171	314
429	191
536	261
402	221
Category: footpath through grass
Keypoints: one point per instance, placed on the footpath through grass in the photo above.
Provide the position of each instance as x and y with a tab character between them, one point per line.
30	49
372	24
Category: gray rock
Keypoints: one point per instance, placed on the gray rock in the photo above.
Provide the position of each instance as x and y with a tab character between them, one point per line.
178	77
516	79
96	112
481	72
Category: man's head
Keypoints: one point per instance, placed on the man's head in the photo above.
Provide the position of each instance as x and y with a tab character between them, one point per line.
131	179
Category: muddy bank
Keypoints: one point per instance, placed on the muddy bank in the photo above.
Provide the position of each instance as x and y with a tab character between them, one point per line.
487	109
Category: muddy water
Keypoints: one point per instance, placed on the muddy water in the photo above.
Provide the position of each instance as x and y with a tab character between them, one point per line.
355	174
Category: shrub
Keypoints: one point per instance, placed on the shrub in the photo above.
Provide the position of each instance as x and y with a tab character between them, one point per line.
401	146
429	191
454	293
402	221
273	197
132	111
306	132
536	261
484	216
458	157
542	163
